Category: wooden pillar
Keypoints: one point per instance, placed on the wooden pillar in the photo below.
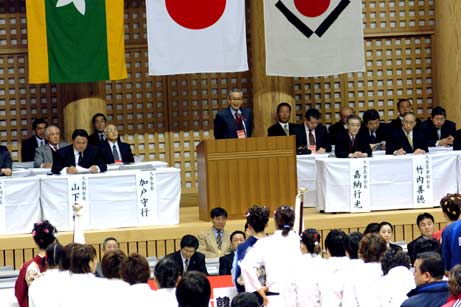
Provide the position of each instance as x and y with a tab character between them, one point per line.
447	58
81	101
268	91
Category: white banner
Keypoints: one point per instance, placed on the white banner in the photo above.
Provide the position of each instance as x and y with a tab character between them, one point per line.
223	296
313	38
147	197
422	181
360	185
77	194
196	36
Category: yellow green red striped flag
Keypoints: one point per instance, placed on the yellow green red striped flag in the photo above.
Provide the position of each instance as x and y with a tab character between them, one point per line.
75	40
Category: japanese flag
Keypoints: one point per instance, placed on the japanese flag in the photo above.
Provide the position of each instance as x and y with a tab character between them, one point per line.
307	38
196	36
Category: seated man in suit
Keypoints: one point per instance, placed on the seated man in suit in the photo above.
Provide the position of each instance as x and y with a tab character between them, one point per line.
44	155
375	130
312	135
233	122
403	107
114	150
283	126
188	259
406	139
340	126
439	130
226	262
350	143
109	244
99	124
81	154
38	139
6	164
215	242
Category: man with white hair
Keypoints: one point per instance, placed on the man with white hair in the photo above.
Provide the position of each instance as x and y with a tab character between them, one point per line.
44	154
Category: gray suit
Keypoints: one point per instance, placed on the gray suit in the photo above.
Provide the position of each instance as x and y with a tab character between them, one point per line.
43	154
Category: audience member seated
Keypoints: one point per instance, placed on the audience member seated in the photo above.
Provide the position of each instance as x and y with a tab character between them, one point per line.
114	150
109	244
397	280
111	265
215	242
454	286
371	228
45	155
38	139
99	124
427	245
226	262
80	153
350	143
6	164
312	134
451	238
439	131
340	126
403	107
166	276
245	299
135	271
431	290
386	231
374	129
188	258
193	290
425	222
283	126
233	122
451	208
351	244
406	139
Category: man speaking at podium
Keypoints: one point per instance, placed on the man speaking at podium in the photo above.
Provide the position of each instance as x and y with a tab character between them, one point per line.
233	122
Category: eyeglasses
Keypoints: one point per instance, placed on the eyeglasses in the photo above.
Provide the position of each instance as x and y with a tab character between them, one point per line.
411	123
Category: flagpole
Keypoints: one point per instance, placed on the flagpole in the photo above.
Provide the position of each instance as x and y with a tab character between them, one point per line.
301	207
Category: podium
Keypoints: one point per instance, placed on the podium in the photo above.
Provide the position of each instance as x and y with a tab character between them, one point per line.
236	174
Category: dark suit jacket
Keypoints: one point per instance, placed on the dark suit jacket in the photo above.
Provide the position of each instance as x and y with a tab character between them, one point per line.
196	262
321	137
28	149
398	139
125	151
225	126
225	264
344	145
94	139
91	156
448	128
277	130
5	158
457	140
334	130
381	133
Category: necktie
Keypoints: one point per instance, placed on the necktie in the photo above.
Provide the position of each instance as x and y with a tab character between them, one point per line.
353	144
311	138
115	153
80	157
101	136
55	147
372	138
186	265
238	120
410	141
285	127
219	240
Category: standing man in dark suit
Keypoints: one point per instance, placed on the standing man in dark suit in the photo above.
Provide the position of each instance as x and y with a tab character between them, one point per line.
233	122
80	153
6	164
115	150
45	155
38	139
99	124
350	143
226	262
283	127
374	129
312	134
188	259
403	107
407	139
439	130
340	126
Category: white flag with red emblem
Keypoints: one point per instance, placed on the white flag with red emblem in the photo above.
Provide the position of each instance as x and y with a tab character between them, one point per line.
307	38
196	36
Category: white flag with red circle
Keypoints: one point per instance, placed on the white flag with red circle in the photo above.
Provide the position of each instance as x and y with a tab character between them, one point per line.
196	36
307	38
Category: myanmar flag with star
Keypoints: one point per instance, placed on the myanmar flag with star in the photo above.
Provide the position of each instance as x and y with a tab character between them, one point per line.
75	40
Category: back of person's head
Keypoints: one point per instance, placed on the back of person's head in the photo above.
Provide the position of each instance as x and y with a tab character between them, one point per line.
64	264
193	290
393	258
334	243
424	216
284	219
135	269
311	239
44	234
451	206
369	115
166	273
312	113
454	280
431	263
427	245
372	247
258	217
371	228
352	244
111	264
79	132
189	241
54	254
245	299
81	257
217	212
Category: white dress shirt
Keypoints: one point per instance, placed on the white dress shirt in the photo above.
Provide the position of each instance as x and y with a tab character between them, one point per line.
332	281
42	292
165	297
111	145
141	295
310	270
361	287
394	286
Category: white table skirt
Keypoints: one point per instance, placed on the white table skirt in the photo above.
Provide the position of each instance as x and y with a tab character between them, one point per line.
391	180
307	177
